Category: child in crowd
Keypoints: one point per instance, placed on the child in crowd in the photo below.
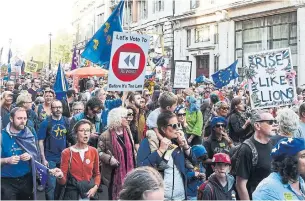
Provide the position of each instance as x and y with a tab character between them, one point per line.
196	174
220	184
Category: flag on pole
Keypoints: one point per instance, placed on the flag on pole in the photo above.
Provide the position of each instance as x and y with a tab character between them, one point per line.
74	60
223	77
61	85
42	173
9	56
98	49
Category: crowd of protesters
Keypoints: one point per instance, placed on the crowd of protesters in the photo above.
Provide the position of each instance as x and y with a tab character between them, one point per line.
196	143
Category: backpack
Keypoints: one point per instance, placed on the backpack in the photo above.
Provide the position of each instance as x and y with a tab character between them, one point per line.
235	156
201	189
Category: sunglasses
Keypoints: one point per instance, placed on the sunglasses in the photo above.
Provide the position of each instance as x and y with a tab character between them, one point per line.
130	114
225	108
181	114
219	125
270	122
176	126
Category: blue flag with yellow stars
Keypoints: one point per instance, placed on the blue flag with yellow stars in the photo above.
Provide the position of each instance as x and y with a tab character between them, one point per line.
98	49
42	173
61	85
223	77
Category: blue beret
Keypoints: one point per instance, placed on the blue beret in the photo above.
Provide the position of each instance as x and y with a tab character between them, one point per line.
198	150
288	147
216	120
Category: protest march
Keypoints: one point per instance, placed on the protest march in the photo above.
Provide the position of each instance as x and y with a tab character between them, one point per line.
115	125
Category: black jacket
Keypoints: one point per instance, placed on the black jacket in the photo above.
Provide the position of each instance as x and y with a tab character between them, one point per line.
75	188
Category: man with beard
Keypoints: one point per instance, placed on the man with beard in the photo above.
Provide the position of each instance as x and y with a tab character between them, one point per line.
53	136
18	152
249	176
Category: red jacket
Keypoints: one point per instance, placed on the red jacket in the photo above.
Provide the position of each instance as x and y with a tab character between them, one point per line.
81	170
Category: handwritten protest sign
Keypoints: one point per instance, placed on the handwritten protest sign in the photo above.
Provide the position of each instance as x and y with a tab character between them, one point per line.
271	78
31	67
182	74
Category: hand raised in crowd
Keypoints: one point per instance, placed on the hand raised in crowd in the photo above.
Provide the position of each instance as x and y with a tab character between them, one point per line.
92	191
114	162
25	157
13	160
182	142
56	172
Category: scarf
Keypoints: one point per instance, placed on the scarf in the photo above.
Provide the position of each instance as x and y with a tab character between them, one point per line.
122	170
27	142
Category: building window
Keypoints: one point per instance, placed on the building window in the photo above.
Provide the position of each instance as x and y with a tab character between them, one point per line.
216	63
142	8
272	32
188	38
216	35
127	14
158	5
202	34
194	4
100	20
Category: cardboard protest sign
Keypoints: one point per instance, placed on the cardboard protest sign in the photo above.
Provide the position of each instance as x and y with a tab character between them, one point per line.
31	67
182	74
271	80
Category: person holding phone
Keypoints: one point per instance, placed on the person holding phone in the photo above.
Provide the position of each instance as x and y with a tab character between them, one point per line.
117	151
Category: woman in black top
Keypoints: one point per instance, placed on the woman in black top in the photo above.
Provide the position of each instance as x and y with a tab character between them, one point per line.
239	125
132	124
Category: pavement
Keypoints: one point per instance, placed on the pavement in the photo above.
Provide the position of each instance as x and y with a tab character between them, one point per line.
102	196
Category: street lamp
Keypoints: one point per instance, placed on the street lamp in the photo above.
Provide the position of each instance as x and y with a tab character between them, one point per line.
50	34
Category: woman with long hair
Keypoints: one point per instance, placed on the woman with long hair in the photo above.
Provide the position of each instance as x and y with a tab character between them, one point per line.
239	125
44	109
117	151
79	168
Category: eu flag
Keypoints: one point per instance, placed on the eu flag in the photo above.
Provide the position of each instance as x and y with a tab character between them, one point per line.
42	173
61	85
98	49
224	76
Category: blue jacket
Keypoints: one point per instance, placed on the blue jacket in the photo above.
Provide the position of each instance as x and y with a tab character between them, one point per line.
193	182
147	158
272	188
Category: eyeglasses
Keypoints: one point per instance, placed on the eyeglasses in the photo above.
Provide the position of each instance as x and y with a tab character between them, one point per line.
219	125
147	95
59	107
181	114
85	131
225	108
270	122
176	126
130	114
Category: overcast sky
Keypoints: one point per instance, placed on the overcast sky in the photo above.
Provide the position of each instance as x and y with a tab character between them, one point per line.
29	22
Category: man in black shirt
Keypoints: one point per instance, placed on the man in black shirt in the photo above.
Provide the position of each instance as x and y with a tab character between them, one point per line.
248	176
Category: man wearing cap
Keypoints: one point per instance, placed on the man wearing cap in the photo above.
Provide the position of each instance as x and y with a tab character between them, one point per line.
288	164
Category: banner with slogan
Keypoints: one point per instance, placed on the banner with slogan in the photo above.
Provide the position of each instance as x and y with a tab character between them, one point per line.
40	65
182	78
271	79
31	67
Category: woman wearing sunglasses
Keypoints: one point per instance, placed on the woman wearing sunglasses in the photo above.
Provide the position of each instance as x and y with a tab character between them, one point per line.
222	110
181	114
194	121
172	150
133	125
218	142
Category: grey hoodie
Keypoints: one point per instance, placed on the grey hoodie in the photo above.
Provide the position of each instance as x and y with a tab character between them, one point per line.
214	190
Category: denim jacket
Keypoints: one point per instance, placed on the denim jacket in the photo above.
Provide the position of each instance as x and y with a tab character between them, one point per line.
272	188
